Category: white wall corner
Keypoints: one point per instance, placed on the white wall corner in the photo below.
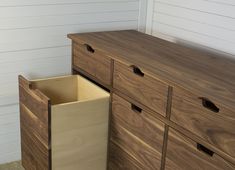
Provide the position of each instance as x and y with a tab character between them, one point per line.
142	15
149	16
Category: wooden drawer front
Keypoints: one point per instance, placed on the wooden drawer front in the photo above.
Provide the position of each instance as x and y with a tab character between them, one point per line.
147	156
210	121
185	154
34	154
143	88
119	159
93	62
34	122
138	122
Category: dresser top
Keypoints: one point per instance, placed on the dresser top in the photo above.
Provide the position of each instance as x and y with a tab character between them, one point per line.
203	73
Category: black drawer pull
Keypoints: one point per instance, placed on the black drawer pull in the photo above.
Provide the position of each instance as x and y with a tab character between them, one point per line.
89	48
205	150
209	105
136	108
137	71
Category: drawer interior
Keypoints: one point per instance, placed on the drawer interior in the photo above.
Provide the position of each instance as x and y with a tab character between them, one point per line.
73	132
67	89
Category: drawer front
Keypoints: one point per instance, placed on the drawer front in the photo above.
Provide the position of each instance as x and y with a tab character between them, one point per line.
93	62
147	156
138	122
184	154
119	159
34	125
143	88
207	119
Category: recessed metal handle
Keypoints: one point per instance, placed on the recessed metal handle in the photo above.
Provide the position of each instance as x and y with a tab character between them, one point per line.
136	108
205	150
89	48
209	104
137	71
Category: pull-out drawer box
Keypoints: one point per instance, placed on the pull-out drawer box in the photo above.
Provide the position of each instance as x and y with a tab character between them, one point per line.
64	123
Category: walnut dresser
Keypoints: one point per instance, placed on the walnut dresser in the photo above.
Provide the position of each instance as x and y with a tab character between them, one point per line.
171	107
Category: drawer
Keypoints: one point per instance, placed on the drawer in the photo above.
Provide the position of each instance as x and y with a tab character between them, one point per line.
64	123
205	118
138	122
147	156
119	159
140	86
92	61
184	154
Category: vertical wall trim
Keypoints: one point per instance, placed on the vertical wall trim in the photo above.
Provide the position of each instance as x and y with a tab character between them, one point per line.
149	19
142	15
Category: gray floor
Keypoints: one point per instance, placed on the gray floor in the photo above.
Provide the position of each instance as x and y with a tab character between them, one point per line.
12	166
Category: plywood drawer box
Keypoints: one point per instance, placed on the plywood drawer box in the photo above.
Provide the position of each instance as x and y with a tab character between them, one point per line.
64	124
93	62
184	154
205	118
145	89
137	126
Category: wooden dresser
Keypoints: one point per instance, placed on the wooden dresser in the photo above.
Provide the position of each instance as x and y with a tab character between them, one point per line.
172	107
169	107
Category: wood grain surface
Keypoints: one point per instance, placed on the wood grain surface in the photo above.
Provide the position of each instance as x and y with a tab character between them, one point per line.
34	124
142	63
145	89
34	154
182	154
119	159
204	73
217	128
141	124
96	64
33	101
147	156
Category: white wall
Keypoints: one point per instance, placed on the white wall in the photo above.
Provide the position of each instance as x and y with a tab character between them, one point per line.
33	43
210	23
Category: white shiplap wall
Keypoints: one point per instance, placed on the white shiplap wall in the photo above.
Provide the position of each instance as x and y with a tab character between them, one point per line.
33	43
210	23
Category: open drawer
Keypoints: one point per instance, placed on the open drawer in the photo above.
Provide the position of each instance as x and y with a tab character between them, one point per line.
64	124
